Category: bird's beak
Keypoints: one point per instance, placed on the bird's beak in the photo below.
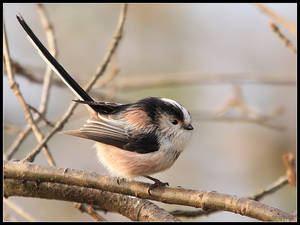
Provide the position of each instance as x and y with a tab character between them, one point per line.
188	127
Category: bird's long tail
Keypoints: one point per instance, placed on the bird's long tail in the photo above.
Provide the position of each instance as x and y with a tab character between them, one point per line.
55	66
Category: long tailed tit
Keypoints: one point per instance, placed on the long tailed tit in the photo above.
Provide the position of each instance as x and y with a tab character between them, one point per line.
132	140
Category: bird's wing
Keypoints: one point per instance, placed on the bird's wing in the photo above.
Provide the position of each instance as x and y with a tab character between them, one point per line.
117	133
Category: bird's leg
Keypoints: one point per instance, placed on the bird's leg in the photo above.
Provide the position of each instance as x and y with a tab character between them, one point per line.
157	183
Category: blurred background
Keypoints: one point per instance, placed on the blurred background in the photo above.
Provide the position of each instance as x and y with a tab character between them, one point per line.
169	41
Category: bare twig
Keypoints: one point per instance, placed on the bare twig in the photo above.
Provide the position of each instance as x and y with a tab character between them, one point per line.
18	210
18	69
89	210
41	116
278	184
290	164
100	71
111	48
162	80
244	119
17	142
13	148
247	114
52	49
287	25
180	196
147	81
15	88
46	87
284	39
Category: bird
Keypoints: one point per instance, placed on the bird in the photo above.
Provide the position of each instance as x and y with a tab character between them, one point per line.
132	140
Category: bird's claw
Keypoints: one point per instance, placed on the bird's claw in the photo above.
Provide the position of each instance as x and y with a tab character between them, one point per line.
157	183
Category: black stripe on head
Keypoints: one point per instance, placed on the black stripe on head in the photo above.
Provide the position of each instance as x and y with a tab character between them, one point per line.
153	106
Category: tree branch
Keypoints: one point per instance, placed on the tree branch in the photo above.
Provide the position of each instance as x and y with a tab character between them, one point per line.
284	39
286	24
180	196
15	88
134	208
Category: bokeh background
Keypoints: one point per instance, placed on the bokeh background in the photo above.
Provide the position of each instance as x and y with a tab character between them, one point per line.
167	40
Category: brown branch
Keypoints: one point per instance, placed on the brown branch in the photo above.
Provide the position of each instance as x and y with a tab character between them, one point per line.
179	196
100	71
149	81
84	208
286	24
162	80
18	69
111	48
14	147
41	115
52	49
134	208
290	164
236	101
284	39
240	119
15	88
275	186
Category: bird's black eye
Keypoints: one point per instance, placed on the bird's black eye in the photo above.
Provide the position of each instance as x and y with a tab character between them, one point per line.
174	121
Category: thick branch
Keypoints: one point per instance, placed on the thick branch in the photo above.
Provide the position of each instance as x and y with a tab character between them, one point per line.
134	208
180	196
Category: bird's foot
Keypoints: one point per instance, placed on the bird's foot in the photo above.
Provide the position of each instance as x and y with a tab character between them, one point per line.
157	183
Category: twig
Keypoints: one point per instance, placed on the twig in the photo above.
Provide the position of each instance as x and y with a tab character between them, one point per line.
287	25
46	86
13	148
161	80
89	210
247	114
100	71
18	69
157	80
41	115
180	196
18	210
290	164
278	184
15	88
244	119
52	49
111	48
284	39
